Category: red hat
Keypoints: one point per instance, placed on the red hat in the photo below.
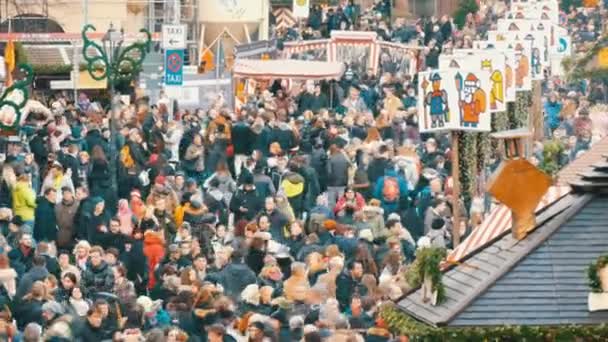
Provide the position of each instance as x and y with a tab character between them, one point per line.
471	78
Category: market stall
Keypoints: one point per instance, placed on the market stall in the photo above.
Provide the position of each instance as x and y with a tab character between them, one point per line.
248	72
361	50
287	69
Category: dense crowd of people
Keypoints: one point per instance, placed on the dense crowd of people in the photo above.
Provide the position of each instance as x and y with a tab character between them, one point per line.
292	219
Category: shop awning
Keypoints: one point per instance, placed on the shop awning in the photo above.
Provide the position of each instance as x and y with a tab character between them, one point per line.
287	68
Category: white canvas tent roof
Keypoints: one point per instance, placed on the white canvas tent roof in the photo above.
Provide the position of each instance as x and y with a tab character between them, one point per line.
287	68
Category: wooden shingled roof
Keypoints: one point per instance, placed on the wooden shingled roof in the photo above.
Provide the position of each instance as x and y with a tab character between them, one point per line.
573	171
540	280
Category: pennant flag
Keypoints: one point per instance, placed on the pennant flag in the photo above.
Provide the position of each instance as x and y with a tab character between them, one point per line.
9	60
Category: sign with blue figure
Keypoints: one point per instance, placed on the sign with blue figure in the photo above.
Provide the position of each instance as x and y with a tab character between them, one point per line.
174	67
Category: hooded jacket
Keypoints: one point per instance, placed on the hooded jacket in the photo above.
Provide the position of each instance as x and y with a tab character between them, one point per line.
24	201
154	250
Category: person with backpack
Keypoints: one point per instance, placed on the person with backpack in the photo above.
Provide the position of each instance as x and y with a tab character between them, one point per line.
133	159
391	190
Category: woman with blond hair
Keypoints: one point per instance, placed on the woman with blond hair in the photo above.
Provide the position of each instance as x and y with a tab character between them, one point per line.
81	254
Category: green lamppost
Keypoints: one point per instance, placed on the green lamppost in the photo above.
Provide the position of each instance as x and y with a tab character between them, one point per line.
115	63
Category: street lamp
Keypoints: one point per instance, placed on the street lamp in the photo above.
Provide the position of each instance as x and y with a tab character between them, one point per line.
114	63
111	61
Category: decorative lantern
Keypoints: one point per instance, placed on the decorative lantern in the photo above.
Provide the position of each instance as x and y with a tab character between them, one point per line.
517	183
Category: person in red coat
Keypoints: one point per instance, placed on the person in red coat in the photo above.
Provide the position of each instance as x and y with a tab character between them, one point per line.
154	250
350	202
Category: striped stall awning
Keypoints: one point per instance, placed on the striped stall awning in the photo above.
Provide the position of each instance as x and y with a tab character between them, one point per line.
286	69
497	222
297	47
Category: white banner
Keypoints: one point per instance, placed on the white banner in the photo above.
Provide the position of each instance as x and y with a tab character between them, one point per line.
454	100
495	63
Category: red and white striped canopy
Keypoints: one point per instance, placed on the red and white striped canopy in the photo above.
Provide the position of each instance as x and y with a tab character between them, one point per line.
317	44
497	222
287	68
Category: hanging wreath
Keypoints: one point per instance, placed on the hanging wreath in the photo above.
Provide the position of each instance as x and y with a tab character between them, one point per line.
427	265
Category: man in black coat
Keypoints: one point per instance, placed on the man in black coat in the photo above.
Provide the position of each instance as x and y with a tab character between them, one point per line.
245	203
348	284
45	225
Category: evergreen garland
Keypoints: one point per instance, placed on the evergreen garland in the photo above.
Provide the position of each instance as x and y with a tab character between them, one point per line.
427	263
401	324
594	280
552	151
518	116
468	160
465	7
